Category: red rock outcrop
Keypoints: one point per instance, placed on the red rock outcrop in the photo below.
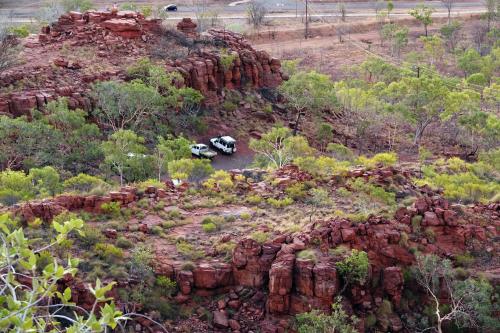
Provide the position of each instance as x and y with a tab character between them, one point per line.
250	68
188	27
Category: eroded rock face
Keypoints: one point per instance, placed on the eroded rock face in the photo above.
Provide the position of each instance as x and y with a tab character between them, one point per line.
250	68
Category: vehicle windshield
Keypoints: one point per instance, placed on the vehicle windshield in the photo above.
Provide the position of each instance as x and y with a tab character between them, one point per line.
203	148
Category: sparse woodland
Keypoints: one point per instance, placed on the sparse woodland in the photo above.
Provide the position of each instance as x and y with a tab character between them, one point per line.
371	202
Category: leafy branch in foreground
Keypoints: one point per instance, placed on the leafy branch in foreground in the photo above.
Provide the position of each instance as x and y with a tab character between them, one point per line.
29	298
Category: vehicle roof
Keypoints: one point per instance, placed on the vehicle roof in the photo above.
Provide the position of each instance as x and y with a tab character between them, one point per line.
200	145
228	139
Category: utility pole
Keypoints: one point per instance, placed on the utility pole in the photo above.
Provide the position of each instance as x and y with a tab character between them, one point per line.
307	20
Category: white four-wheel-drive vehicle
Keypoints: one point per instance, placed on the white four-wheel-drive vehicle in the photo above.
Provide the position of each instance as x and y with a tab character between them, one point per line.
202	150
225	144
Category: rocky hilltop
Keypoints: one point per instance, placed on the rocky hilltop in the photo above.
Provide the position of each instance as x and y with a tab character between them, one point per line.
81	48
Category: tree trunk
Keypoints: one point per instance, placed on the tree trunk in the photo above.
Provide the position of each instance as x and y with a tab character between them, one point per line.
425	26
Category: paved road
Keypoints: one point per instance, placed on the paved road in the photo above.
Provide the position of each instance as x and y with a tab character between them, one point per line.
22	10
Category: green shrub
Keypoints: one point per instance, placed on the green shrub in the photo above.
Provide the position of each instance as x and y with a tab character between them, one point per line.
382	159
385	309
259	236
209	227
340	152
375	192
245	216
108	252
159	206
168	224
174	214
90	236
416	222
124	243
229	106
431	236
143	203
112	209
280	203
254	199
156	230
318	322
403	241
227	59
83	183
118	272
44	258
188	251
464	259
167	286
354	268
343	192
296	191
268	109
307	254
21	31
14	187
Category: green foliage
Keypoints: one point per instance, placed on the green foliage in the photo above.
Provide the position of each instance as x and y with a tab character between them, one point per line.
340	152
227	59
280	203
21	31
375	192
259	236
90	236
127	105
167	286
141	262
289	67
15	186
229	106
108	252
296	191
21	308
124	243
318	322
219	180
170	149
279	147
307	255
124	151
423	14
463	182
113	209
322	167
382	159
83	183
396	35
209	227
188	250
76	5
309	91
354	268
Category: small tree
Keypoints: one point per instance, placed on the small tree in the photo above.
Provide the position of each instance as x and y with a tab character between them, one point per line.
451	34
318	199
449	5
121	147
469	303
278	147
170	149
309	91
492	8
354	268
256	13
46	180
336	322
8	48
423	14
126	105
